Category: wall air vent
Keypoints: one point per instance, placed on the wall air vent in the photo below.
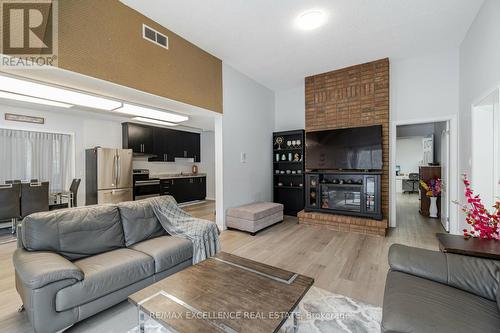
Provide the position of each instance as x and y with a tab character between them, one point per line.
154	36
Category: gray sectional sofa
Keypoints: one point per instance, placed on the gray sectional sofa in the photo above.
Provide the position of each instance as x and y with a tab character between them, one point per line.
430	291
73	263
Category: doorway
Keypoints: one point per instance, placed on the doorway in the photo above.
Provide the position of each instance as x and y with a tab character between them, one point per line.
422	158
446	145
485	164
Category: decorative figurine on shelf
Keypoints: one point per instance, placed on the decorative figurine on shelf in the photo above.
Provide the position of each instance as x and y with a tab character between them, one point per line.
296	157
283	157
279	141
194	169
277	157
280	184
298	142
294	143
290	157
289	144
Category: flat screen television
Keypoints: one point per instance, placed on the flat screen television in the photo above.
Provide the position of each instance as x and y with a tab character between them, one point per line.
358	148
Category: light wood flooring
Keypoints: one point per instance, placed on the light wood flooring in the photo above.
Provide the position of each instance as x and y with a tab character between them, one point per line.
344	263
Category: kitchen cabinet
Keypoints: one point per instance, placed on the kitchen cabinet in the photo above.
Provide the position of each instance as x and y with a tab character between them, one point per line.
138	137
188	145
163	144
185	189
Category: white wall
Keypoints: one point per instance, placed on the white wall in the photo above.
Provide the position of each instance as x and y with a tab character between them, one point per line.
208	161
290	109
424	87
409	154
92	129
479	73
247	126
87	132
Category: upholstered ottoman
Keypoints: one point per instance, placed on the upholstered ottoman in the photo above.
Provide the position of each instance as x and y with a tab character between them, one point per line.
254	217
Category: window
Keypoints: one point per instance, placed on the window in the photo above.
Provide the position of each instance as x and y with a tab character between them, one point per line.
29	155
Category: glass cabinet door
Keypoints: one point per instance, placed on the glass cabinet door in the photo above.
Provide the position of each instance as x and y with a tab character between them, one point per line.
370	194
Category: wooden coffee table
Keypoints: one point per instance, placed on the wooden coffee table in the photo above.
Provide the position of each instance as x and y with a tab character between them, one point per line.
225	293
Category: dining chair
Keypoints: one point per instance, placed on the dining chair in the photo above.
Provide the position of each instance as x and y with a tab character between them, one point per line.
34	198
414	178
72	195
11	206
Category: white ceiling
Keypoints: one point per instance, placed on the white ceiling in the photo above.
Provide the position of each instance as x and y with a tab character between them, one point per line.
258	37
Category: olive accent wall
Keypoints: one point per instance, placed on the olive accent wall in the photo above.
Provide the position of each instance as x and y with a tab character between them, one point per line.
103	39
355	96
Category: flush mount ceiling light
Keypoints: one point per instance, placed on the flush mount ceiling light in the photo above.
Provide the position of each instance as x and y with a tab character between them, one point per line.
153	121
35	100
46	92
140	111
311	19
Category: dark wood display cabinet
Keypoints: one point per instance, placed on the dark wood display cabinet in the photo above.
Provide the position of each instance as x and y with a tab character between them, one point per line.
288	170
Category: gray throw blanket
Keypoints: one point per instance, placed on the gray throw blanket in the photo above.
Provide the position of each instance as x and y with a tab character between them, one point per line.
203	234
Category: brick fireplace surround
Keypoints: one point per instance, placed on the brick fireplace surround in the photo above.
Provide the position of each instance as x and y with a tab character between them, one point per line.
355	96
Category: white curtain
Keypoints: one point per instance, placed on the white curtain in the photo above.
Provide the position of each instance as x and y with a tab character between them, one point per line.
26	155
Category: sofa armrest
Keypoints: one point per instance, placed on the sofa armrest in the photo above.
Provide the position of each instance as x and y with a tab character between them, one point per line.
427	264
39	268
472	274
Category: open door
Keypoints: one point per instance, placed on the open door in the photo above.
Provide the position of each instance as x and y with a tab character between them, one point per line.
445	176
485	149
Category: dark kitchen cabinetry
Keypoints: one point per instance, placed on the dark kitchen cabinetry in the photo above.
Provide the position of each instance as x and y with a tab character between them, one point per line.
188	145
185	189
139	138
163	144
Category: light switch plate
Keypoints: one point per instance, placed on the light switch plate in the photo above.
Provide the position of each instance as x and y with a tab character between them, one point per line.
243	157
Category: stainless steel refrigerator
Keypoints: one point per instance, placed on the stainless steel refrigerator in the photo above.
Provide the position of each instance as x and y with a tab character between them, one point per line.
108	175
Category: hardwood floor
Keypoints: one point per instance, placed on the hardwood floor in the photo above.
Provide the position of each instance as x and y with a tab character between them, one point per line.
349	264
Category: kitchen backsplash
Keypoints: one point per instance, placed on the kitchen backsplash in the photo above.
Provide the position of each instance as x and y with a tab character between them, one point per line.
180	165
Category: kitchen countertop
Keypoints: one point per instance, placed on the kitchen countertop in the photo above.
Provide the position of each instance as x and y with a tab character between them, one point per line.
176	175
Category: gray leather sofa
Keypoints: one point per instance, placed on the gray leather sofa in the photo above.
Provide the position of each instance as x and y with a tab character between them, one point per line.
73	263
430	291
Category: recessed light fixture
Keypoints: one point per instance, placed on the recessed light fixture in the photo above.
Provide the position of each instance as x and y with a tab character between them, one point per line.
29	99
153	121
311	19
141	111
46	92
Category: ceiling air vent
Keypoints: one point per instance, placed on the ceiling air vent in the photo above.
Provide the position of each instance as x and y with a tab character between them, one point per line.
154	36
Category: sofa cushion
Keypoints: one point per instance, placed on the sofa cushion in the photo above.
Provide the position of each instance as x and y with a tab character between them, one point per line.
103	274
255	211
167	251
74	233
139	221
413	304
